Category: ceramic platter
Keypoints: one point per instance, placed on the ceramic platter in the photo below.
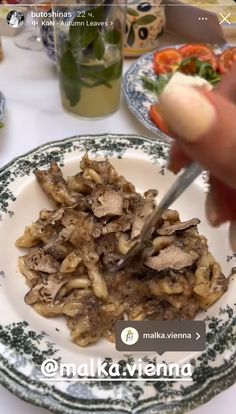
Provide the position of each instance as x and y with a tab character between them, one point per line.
27	339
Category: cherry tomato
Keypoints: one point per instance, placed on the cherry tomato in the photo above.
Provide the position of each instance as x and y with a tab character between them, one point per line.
157	118
226	60
167	60
202	52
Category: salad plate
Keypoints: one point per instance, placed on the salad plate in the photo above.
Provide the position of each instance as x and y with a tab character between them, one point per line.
27	339
139	97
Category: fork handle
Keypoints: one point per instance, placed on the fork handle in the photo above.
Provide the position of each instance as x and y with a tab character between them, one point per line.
181	183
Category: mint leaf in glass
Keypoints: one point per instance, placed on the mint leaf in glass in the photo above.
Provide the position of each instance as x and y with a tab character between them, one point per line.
113	37
83	30
99	47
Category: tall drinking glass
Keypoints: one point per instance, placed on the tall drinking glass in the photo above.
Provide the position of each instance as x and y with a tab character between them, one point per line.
89	46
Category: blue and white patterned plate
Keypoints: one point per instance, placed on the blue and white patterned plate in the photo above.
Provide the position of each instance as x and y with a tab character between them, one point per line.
137	97
27	339
140	99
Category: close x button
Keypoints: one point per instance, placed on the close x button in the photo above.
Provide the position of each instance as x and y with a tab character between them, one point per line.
225	18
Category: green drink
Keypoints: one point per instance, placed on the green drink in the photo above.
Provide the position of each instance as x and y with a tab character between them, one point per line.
89	57
90	104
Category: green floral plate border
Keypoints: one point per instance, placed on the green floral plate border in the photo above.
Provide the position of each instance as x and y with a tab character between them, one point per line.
22	349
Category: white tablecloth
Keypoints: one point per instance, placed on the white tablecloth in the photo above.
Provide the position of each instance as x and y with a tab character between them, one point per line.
34	116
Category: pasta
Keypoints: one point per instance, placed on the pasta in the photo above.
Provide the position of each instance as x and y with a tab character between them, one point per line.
97	217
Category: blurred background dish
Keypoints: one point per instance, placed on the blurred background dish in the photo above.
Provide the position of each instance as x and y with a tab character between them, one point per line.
145	22
48	42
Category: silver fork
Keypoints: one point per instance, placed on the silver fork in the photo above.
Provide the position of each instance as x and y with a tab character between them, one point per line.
180	185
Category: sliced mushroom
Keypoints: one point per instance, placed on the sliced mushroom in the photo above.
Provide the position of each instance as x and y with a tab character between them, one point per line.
107	173
54	185
172	228
51	217
131	202
72	217
60	251
37	259
141	214
170	216
161	242
151	193
106	202
84	230
35	233
171	257
32	276
63	236
121	224
47	290
80	184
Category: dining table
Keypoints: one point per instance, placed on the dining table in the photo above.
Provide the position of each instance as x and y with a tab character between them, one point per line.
34	116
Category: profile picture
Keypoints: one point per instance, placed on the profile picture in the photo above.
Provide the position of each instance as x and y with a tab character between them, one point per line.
129	336
15	18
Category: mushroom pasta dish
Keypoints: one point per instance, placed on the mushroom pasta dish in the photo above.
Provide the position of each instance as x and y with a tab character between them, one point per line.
96	217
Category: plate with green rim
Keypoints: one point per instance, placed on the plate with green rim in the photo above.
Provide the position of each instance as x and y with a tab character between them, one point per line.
27	339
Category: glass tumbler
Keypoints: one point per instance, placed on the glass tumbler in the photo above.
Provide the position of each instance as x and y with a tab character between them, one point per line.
89	45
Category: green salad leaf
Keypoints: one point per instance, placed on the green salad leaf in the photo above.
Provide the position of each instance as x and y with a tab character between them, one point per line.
158	85
202	69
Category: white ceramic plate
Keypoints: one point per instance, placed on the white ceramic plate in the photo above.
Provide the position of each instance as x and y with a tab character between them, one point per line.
27	339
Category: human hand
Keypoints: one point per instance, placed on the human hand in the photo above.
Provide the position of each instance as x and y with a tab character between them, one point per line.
204	127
